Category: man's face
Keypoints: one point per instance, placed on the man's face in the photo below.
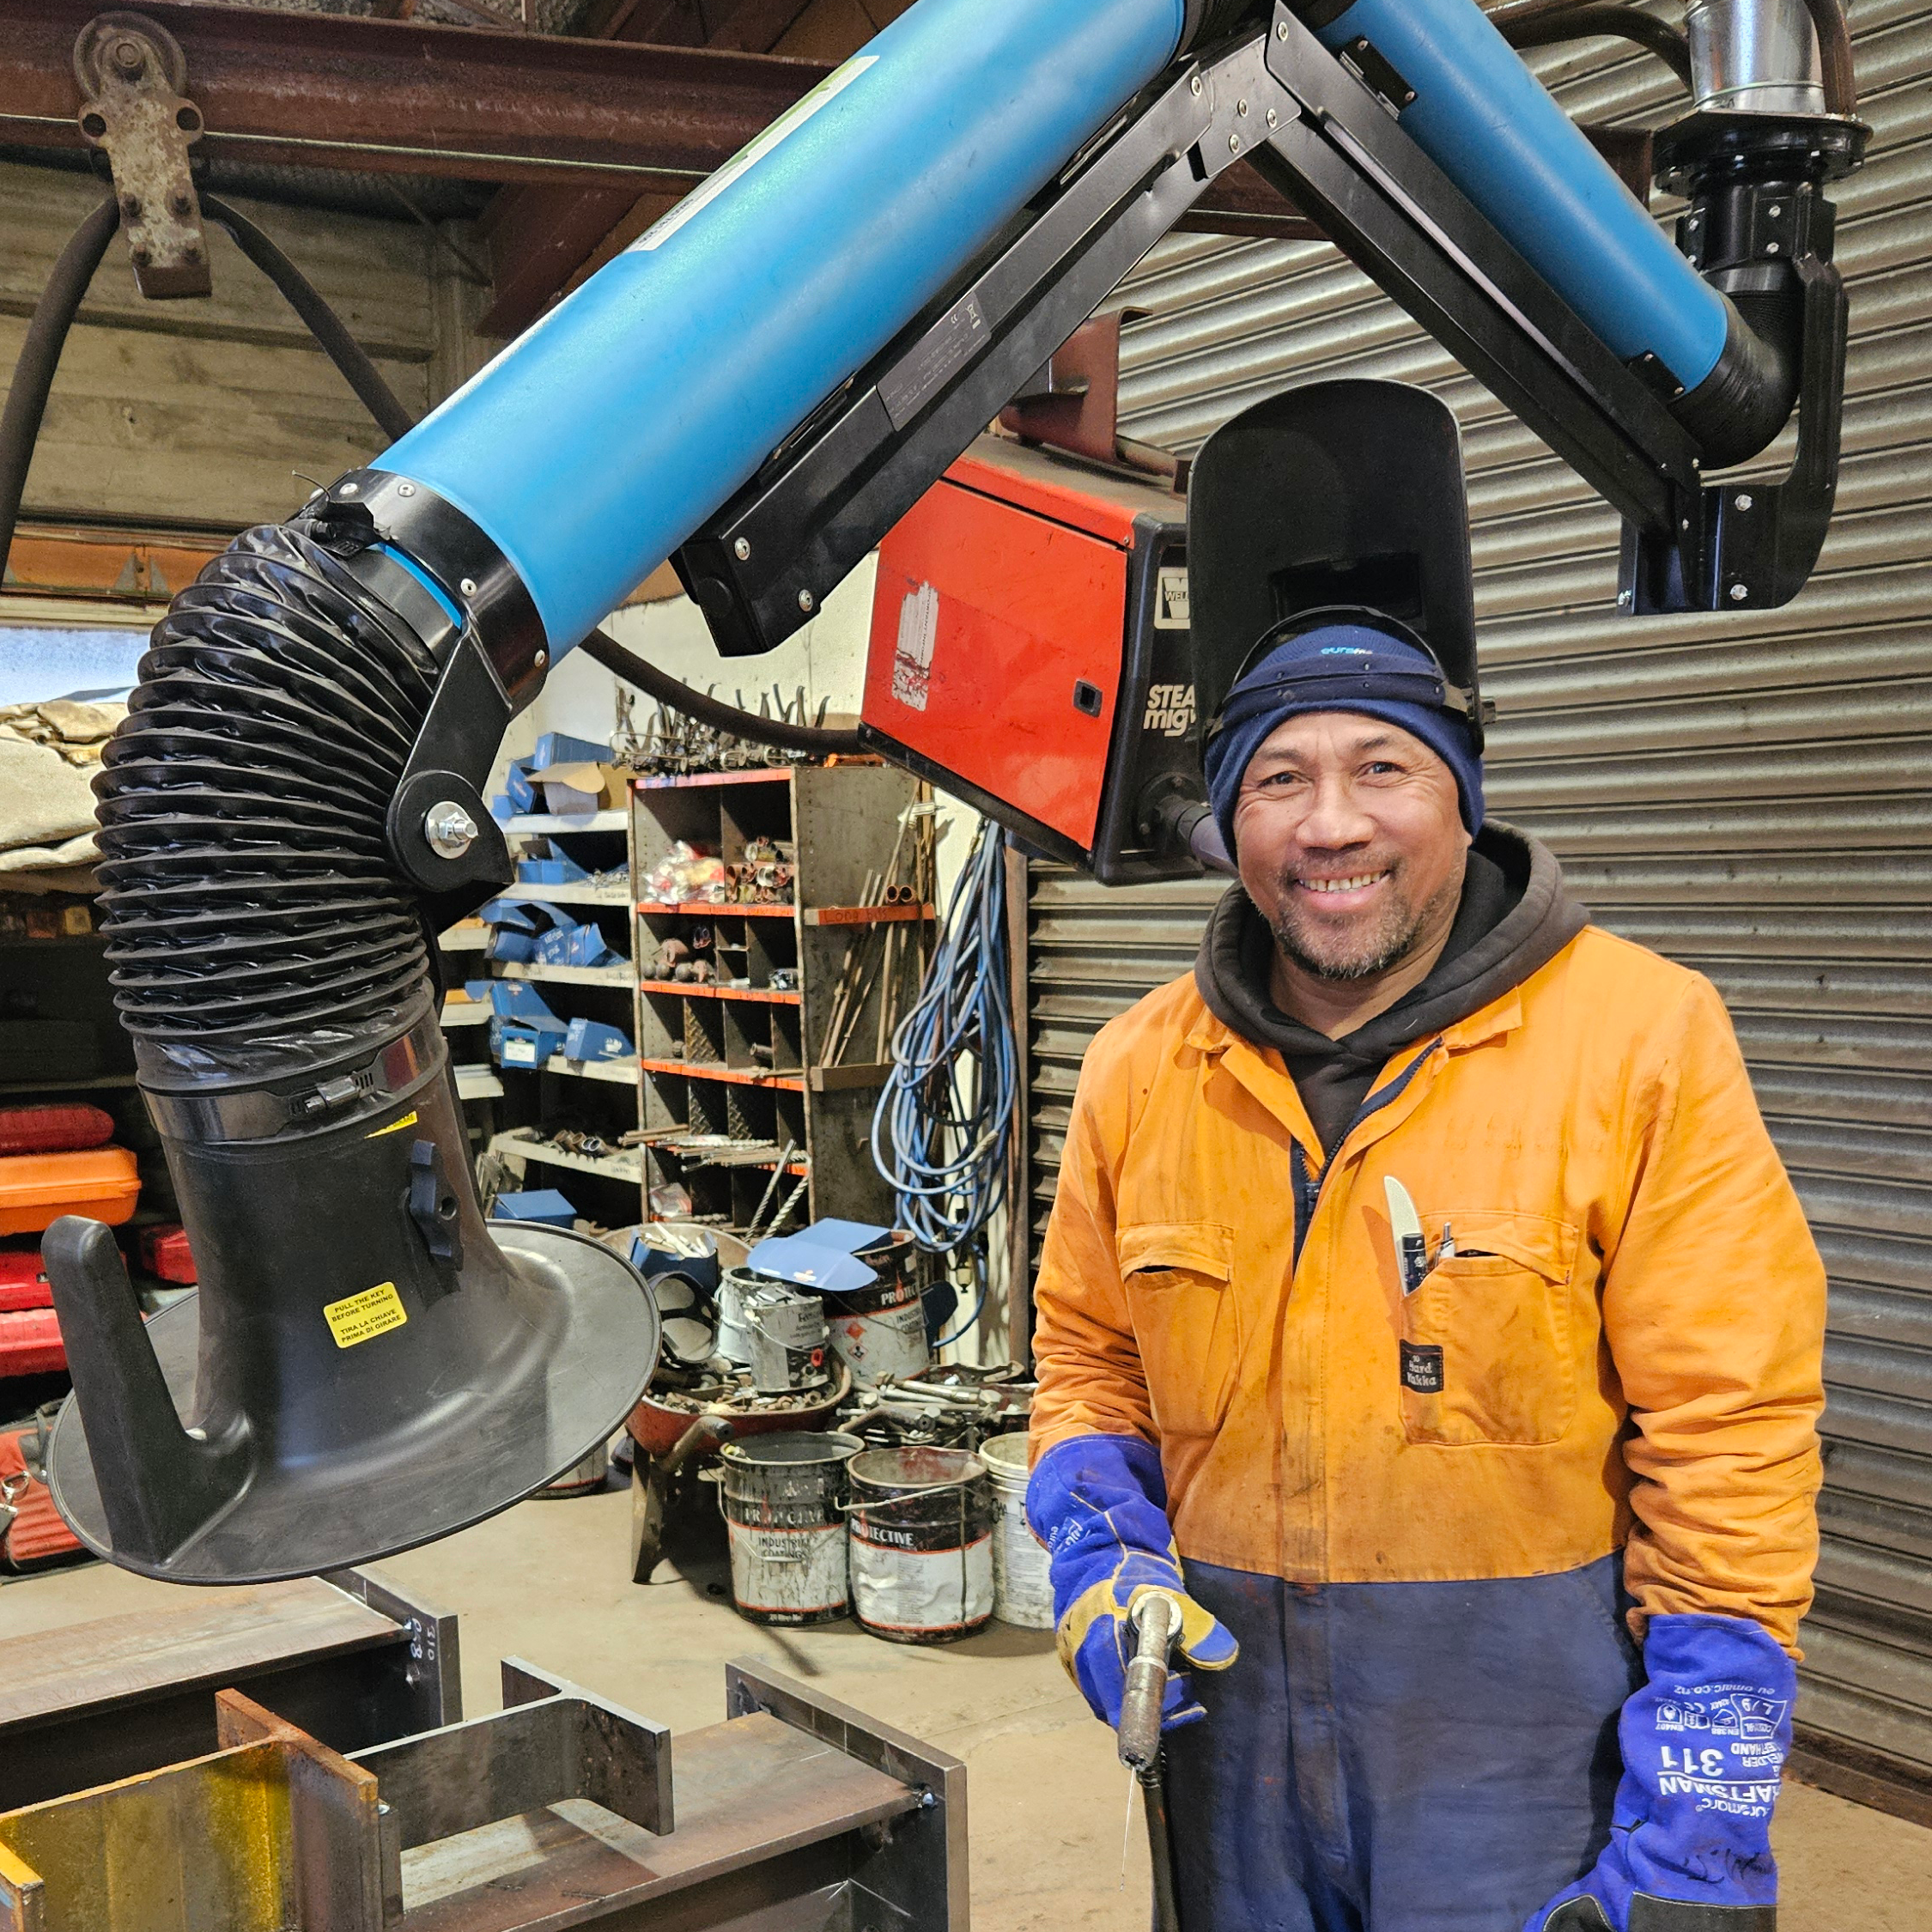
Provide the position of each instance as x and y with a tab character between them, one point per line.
1350	841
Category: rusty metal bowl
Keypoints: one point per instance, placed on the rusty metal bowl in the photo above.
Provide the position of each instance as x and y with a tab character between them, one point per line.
655	1425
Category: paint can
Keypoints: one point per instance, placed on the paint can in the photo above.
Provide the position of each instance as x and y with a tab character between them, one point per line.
788	1340
879	1331
587	1478
1022	1590
784	1498
921	1548
735	1288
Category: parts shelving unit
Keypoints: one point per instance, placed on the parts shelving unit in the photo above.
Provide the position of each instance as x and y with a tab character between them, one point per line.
600	1097
740	1070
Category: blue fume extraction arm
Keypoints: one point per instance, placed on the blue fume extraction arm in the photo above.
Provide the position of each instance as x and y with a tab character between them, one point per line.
760	386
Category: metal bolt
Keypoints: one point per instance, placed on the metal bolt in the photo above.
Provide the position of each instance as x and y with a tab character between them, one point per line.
142	257
1281	30
541	659
181	203
345	489
1194	86
1241	106
196	1435
1233	144
1738	593
130	207
1683	523
449	829
406	489
742	549
1743	500
128	57
807	601
1770	248
468	587
1623	597
1274	120
1775	209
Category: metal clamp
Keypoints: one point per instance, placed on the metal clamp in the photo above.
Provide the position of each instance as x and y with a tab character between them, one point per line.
132	73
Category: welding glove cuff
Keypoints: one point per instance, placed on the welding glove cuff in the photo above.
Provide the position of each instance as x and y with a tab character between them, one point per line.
1098	1503
1703	1743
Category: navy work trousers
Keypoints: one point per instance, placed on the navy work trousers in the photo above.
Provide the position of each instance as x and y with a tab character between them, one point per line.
1433	1756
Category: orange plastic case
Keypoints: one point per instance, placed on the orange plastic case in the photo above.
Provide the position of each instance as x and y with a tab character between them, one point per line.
37	1189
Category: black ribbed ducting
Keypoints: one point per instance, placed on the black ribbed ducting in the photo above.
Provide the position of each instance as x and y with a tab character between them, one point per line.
248	886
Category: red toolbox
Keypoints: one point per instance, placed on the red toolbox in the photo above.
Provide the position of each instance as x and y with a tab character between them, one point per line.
23	1282
53	1130
30	1342
37	1189
34	1537
165	1254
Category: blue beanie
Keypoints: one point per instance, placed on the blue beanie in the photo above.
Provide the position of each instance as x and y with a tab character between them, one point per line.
1339	667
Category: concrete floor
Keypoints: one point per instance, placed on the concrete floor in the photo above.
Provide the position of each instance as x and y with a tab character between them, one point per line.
546	1582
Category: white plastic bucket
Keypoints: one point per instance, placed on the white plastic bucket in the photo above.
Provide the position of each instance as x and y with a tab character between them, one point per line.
1022	1591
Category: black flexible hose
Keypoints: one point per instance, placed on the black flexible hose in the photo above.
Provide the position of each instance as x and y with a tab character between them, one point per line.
1620	22
245	878
603	648
39	356
321	321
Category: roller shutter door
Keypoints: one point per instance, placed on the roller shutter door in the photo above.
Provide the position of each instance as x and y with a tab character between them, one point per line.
1749	795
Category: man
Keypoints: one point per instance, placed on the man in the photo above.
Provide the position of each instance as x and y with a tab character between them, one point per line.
1490	1547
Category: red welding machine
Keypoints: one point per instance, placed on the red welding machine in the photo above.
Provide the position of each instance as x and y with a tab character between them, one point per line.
1029	652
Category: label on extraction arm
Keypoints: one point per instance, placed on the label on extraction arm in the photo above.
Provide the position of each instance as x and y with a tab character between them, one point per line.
747	158
358	1318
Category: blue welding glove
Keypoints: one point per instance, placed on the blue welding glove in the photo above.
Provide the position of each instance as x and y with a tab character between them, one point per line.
1099	1504
1703	1741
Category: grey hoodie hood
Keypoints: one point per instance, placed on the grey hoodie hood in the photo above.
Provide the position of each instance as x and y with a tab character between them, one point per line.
1516	915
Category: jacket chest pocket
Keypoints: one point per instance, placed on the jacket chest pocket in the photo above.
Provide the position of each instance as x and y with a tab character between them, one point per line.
1177	1276
1488	1353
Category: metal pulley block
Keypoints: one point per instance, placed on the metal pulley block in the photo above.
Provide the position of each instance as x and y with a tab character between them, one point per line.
132	73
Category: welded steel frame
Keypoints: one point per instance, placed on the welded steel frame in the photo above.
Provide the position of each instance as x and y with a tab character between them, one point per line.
349	1696
852	1824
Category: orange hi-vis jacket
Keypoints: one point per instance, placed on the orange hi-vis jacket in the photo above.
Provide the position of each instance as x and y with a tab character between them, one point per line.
1631	1327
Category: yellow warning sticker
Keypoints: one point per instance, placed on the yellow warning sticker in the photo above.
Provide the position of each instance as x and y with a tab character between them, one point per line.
394	1127
356	1318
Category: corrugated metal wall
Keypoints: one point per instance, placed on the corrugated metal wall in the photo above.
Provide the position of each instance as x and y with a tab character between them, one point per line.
1750	794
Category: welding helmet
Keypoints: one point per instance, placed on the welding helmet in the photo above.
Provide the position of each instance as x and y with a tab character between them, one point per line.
1336	503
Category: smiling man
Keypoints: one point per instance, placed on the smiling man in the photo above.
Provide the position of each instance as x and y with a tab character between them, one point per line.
1425	1308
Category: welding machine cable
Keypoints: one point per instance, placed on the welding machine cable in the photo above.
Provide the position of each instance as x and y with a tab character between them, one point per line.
939	1132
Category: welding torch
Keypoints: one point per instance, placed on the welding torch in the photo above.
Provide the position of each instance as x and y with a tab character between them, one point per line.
1156	1618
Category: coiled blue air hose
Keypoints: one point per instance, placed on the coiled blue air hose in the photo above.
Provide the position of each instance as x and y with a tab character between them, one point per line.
947	1115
